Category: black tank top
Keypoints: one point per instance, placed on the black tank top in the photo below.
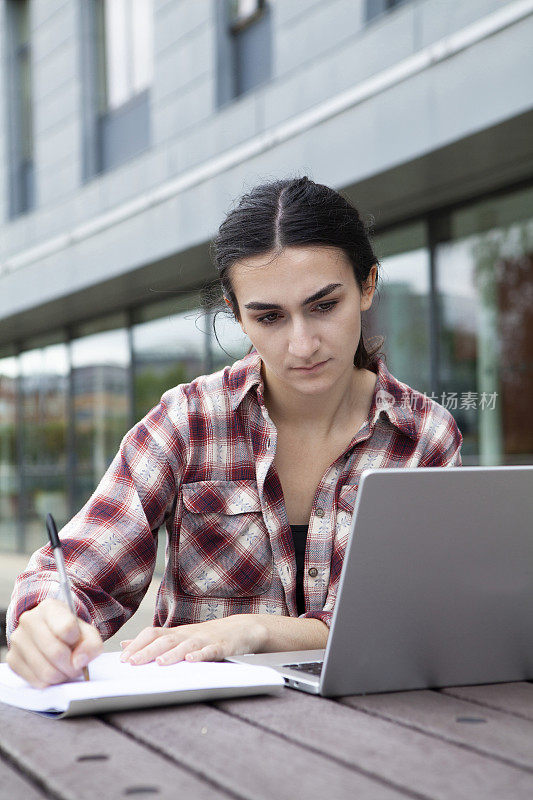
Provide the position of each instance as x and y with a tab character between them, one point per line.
299	537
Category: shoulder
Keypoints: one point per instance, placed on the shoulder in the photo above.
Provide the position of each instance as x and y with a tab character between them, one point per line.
436	434
212	394
439	436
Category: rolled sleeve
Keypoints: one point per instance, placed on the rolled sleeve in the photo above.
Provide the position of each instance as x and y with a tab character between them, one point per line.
444	446
110	546
323	616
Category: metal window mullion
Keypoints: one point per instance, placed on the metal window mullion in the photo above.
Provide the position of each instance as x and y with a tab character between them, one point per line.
130	55
131	369
438	230
72	461
434	322
19	427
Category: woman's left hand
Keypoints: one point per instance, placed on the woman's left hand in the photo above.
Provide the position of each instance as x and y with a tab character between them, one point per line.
213	640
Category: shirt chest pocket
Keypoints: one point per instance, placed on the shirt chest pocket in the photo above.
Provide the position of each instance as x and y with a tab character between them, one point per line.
224	549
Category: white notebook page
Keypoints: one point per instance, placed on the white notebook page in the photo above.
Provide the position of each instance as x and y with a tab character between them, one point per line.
111	678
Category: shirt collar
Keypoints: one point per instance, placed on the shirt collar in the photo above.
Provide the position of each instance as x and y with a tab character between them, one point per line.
391	397
243	376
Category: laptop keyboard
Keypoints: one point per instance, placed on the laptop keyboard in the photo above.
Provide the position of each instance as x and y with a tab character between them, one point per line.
312	667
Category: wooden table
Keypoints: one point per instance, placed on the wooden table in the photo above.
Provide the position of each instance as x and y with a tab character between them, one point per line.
472	742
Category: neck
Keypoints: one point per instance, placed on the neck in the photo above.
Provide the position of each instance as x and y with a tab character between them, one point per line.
320	413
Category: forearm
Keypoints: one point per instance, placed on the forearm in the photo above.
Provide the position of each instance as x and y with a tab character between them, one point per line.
279	633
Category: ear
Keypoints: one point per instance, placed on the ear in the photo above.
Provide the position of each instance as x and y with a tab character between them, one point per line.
369	287
230	306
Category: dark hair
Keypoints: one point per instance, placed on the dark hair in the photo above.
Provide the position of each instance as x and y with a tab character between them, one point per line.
292	213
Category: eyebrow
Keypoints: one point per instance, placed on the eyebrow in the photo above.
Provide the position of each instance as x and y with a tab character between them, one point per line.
255	306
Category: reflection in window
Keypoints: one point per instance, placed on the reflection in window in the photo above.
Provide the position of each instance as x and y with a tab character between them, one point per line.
9	478
401	309
44	390
168	350
101	404
485	283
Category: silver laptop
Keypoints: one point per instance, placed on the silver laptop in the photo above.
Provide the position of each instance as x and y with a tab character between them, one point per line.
436	587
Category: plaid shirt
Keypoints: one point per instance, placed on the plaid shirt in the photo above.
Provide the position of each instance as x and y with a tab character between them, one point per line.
200	463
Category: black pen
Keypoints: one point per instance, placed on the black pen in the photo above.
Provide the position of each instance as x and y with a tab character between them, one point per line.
63	577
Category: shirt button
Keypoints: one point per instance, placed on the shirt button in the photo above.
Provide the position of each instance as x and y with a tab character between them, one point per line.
313	572
268	442
320	512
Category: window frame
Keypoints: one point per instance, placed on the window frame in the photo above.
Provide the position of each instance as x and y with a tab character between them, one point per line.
20	142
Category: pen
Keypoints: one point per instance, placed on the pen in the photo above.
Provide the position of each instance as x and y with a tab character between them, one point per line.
63	577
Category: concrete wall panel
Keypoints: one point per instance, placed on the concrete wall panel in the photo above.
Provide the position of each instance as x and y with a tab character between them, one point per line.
175	21
441	18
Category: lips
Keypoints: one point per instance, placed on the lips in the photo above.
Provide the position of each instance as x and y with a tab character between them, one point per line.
311	368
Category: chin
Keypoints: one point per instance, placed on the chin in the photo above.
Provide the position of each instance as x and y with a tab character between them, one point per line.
310	385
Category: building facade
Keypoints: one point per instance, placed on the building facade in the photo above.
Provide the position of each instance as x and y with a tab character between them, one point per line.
128	128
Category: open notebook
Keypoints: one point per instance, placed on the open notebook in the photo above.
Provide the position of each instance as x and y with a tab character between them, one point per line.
115	686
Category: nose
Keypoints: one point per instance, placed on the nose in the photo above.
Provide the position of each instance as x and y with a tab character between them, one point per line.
303	342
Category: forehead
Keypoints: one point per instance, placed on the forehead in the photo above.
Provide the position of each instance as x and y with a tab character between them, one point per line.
293	272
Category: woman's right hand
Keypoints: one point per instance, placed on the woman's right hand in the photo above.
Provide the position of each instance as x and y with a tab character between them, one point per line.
50	645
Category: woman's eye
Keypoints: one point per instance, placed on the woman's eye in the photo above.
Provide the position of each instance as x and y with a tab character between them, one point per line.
323	308
268	319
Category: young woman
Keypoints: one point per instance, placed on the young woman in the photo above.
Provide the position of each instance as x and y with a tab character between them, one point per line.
253	470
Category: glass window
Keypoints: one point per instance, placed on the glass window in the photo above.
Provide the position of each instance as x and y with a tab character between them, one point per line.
118	84
44	394
21	104
101	403
485	284
244	12
9	476
128	49
245	48
401	309
170	347
374	8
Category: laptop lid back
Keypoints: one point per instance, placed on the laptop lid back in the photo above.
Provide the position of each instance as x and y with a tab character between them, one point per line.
437	582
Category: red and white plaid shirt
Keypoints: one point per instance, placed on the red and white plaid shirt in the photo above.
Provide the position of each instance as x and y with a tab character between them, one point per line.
200	463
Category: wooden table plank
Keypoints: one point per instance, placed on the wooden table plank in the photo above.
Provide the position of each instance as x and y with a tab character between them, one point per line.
246	760
488	731
84	758
405	758
514	698
14	787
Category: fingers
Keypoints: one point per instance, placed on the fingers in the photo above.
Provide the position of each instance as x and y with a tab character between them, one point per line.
211	652
41	646
19	665
142	640
192	650
204	641
60	620
167	649
154	649
89	646
40	667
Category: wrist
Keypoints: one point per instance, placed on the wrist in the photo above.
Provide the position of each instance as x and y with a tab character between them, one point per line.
256	633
